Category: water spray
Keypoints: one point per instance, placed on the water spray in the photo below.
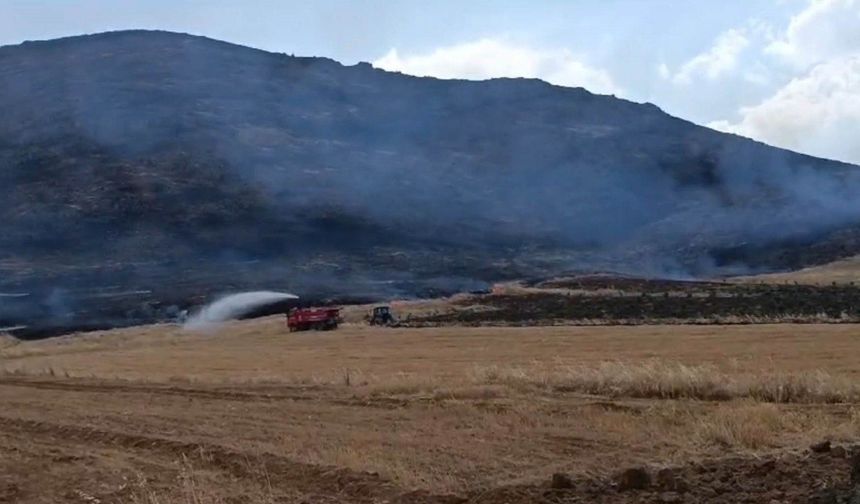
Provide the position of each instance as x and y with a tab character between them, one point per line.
233	306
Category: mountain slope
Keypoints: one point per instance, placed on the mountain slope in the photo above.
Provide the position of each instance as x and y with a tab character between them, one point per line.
179	165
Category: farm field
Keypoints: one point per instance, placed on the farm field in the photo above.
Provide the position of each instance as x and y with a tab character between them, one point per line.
843	271
251	413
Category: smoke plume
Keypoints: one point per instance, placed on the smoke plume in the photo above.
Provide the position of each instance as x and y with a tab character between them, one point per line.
214	167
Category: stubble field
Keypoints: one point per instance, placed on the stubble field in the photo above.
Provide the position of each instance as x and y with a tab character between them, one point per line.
251	413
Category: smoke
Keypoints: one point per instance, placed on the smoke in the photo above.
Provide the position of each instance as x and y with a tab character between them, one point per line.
350	182
232	307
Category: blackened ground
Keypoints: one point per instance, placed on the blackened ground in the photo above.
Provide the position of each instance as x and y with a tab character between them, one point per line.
605	299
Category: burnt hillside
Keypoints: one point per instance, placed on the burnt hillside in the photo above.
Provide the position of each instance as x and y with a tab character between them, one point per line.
177	166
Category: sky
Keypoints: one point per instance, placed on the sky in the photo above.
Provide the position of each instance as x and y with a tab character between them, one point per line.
786	72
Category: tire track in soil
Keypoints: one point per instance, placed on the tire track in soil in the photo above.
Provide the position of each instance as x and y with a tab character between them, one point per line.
212	394
330	483
222	394
793	477
318	394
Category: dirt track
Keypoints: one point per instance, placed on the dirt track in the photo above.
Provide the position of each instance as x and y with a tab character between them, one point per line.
152	454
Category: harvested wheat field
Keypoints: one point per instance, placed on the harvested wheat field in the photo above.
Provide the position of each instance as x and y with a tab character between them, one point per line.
843	271
252	413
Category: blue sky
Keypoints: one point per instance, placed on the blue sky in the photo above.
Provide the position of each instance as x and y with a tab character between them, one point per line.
783	71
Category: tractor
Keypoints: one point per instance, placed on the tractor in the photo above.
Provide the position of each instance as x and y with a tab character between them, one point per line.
382	316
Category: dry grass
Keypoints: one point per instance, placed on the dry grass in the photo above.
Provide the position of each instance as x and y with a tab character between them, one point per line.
198	486
249	352
655	379
844	271
746	425
7	341
445	409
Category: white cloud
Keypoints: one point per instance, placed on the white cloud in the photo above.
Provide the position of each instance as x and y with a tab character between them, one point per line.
818	113
489	58
716	61
818	110
757	73
823	30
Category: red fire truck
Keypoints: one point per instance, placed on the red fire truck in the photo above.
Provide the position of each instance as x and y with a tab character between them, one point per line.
317	319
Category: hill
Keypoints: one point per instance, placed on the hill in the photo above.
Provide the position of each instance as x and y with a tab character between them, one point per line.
141	171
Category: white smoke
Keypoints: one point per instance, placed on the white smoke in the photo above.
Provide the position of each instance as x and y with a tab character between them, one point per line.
232	307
